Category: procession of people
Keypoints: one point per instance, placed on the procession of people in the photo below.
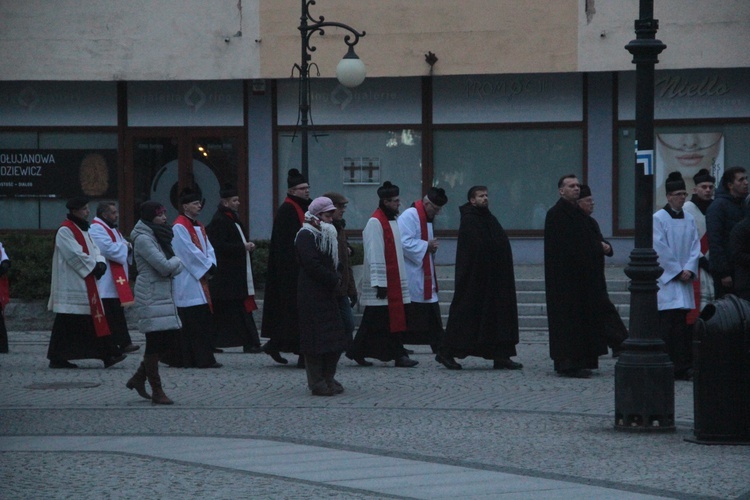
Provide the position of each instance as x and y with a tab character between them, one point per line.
194	293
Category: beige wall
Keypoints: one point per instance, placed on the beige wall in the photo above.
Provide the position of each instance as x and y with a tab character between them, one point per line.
698	33
468	37
128	39
185	39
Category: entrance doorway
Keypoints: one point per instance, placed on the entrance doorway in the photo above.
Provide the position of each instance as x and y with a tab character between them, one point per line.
161	163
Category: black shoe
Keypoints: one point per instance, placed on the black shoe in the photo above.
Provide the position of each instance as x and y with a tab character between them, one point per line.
216	350
686	375
130	348
360	360
323	391
255	349
300	361
405	362
61	363
448	362
506	364
576	373
113	360
274	355
409	351
215	365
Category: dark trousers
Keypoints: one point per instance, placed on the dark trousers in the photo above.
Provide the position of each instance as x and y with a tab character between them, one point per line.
674	332
117	324
196	338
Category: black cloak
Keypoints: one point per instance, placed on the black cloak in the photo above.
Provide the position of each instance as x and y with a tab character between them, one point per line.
280	319
483	318
573	277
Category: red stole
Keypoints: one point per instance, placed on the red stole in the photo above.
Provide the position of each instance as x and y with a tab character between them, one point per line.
693	314
188	224
4	291
396	311
118	272
426	261
101	327
300	212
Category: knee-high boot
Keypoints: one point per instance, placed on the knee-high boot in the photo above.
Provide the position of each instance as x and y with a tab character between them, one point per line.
138	382
152	373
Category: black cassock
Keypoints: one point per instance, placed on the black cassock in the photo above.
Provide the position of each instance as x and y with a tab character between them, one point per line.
235	326
573	282
483	318
280	318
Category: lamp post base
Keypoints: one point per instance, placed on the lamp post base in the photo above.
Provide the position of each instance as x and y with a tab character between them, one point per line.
644	392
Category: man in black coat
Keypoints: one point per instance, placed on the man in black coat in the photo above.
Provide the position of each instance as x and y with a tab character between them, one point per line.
572	274
232	289
483	318
280	323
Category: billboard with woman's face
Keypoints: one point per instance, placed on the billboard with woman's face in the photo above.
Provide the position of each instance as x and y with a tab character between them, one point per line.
687	153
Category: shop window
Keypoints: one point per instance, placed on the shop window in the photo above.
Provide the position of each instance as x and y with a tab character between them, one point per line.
355	163
520	167
39	171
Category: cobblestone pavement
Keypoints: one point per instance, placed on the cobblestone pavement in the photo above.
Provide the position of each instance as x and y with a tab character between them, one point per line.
527	423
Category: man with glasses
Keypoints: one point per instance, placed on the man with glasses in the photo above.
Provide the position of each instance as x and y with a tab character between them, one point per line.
420	245
697	206
280	323
677	244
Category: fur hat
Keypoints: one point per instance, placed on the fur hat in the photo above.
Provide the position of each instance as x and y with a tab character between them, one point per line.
295	178
189	195
336	198
77	203
387	190
228	191
585	191
675	182
437	196
703	176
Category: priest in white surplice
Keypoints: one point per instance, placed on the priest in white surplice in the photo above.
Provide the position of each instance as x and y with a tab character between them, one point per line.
191	294
425	326
114	287
677	244
384	288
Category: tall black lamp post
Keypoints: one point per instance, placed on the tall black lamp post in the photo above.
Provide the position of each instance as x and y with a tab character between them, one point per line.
350	71
644	377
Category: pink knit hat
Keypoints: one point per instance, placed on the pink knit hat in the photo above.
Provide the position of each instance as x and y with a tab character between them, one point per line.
320	205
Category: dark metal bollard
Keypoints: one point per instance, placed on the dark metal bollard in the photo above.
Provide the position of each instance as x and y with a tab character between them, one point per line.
721	383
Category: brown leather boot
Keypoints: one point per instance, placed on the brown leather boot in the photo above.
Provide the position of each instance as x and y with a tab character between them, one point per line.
138	382
158	397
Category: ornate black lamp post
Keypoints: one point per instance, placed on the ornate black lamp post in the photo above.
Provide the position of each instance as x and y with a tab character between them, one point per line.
350	72
644	377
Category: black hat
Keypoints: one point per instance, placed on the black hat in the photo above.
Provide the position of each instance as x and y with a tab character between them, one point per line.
150	209
189	195
585	191
228	191
77	203
387	190
703	176
295	178
675	182
437	196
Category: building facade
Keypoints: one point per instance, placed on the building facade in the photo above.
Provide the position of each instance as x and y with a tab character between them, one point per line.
135	101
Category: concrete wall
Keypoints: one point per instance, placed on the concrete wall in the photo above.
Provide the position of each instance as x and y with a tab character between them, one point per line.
130	40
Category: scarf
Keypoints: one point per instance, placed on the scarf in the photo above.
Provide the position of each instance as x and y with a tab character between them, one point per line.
164	235
396	310
427	271
101	327
326	236
81	223
297	208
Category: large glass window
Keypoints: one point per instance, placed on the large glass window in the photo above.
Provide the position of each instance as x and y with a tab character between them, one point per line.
355	163
39	171
520	167
733	147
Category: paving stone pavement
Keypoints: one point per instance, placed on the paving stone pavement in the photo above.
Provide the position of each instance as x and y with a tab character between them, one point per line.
425	432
